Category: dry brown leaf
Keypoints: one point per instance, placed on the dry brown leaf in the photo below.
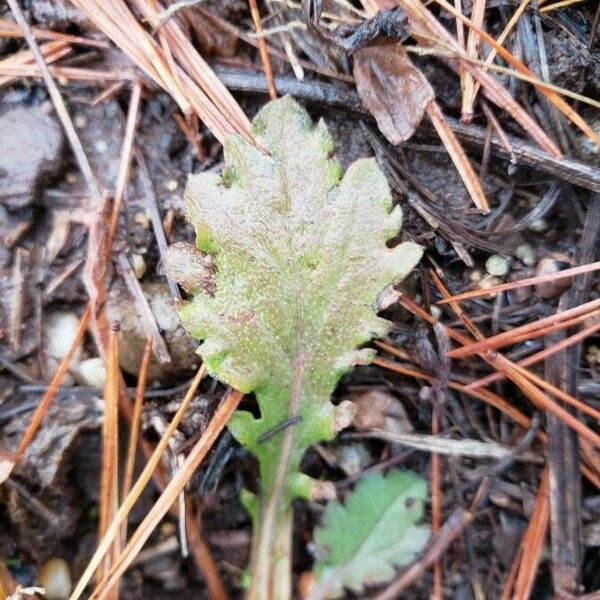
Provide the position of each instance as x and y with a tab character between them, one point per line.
392	89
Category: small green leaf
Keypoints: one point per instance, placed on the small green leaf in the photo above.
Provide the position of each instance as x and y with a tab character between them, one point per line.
374	532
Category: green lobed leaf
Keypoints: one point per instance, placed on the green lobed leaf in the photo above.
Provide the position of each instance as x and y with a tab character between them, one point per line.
299	259
363	540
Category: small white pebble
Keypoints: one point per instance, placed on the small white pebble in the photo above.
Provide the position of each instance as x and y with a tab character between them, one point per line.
497	265
80	121
101	146
59	333
139	265
172	185
92	372
436	312
71	178
526	254
539	226
141	218
55	577
489	282
475	275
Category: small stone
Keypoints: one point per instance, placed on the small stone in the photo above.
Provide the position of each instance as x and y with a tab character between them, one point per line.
132	340
592	355
80	121
436	312
526	254
553	263
142	219
32	145
539	226
71	178
91	372
378	409
139	265
59	332
55	578
172	185
497	265
475	276
489	282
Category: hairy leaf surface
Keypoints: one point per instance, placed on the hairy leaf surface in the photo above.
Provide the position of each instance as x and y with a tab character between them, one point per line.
374	532
300	258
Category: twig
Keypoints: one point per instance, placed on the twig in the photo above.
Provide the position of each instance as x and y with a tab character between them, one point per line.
452	528
171	11
332	96
141	302
17	297
153	213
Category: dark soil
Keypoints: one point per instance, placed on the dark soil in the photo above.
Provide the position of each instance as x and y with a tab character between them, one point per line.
49	507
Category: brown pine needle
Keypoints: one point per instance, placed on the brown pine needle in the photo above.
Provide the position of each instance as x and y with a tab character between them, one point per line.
53	386
109	486
483	395
125	162
533	540
561	394
502	37
10	29
425	27
539	356
551	95
262	47
436	505
127	504
176	485
458	156
472	51
23	61
533	393
561	4
134	426
532	330
542	402
512	285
